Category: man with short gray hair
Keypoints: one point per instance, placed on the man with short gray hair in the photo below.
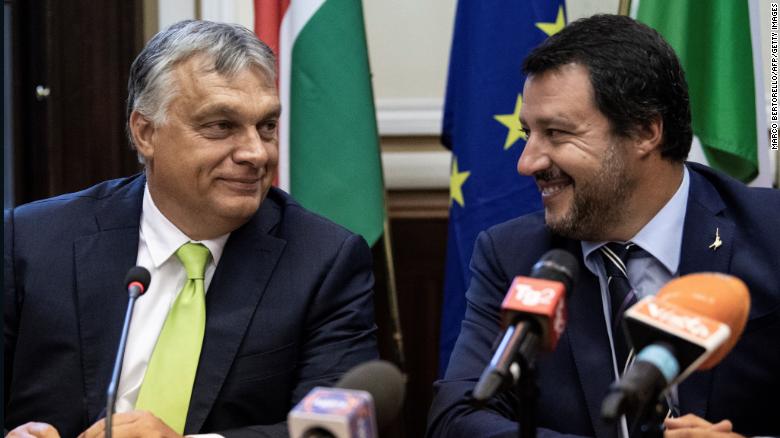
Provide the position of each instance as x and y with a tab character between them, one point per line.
253	300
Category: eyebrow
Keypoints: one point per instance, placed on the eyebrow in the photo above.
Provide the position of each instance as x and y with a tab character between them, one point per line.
228	111
554	120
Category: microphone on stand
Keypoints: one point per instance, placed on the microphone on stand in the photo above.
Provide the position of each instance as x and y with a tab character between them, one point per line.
534	312
136	282
367	399
692	323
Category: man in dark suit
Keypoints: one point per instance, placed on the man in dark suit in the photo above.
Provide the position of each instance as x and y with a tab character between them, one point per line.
606	110
279	300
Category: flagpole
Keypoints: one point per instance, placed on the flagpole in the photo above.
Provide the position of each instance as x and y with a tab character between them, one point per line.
392	294
623	7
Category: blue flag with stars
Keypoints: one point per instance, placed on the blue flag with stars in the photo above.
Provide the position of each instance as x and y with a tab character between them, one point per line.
482	129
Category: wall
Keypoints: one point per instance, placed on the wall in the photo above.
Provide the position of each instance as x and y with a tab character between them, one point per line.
409	49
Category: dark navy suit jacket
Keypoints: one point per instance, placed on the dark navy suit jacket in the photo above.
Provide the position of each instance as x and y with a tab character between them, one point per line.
290	307
574	378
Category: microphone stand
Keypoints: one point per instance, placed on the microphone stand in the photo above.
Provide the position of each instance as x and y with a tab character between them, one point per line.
526	388
133	294
651	420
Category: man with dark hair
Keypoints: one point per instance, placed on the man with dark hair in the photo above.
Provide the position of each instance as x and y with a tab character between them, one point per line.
606	110
253	300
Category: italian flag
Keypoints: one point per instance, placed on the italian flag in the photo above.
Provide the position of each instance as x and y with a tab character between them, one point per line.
329	145
718	43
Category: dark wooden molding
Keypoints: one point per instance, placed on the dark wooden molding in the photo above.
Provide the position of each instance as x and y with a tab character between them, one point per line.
418	204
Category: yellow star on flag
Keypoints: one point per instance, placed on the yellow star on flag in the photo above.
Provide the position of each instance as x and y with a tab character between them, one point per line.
512	122
552	28
456	182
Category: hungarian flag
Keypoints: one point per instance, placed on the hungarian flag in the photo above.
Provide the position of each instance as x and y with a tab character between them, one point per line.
329	145
718	44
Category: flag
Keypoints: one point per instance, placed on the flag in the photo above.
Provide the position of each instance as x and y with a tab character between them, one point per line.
481	127
712	38
329	144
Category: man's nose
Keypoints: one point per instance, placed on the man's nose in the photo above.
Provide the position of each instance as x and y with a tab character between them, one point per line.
534	157
253	149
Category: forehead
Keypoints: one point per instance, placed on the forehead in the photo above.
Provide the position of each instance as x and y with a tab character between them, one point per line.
196	79
564	92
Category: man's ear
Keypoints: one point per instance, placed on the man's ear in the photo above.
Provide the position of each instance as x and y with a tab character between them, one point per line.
649	138
142	131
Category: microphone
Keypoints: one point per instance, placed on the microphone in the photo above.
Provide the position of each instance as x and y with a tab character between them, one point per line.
692	323
366	399
534	314
136	282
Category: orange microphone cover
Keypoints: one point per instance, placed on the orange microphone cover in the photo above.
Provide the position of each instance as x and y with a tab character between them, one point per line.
722	297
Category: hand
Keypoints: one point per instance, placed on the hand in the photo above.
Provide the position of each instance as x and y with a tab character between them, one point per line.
34	429
692	426
134	424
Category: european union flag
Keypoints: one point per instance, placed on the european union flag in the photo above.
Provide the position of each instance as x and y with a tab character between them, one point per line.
482	128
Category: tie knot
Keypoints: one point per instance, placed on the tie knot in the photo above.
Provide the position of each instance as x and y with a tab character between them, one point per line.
615	255
194	257
622	250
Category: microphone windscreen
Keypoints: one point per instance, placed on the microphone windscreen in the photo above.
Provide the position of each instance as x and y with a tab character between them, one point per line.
384	382
138	274
557	265
721	297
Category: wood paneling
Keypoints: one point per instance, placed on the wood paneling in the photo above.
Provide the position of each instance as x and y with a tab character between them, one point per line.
81	52
418	227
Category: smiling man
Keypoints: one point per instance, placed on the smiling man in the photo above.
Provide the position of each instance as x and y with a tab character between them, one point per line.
606	111
253	300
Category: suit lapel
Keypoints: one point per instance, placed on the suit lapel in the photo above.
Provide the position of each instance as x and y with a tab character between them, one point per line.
702	222
101	262
249	258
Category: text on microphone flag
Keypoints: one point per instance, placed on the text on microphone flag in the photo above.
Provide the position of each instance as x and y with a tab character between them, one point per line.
542	297
686	324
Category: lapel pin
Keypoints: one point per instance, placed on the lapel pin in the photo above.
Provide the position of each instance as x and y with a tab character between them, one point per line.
717	243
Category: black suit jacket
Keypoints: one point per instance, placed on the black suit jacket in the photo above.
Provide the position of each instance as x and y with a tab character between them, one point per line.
574	378
290	307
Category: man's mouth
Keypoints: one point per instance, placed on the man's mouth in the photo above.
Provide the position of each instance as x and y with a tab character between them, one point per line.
552	182
243	184
550	190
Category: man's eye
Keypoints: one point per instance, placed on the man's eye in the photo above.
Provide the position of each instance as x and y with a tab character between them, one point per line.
268	128
554	132
218	126
217	129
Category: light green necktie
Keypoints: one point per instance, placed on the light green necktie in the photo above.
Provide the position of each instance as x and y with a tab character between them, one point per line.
168	381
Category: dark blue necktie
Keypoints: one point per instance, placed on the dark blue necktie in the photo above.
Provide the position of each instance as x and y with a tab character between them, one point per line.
621	294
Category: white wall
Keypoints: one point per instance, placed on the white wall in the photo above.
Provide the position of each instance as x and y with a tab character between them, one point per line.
408	43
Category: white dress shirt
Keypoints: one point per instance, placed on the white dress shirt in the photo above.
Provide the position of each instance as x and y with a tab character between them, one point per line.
157	245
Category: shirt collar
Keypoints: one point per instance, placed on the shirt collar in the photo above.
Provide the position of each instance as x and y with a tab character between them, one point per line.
163	238
662	236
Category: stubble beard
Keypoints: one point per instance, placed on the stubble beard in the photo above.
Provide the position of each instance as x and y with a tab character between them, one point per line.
596	206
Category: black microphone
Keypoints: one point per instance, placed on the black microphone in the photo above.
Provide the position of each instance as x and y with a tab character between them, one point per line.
386	384
367	396
136	282
534	314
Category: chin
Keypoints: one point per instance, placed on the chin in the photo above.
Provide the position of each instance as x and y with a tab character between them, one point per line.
240	209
